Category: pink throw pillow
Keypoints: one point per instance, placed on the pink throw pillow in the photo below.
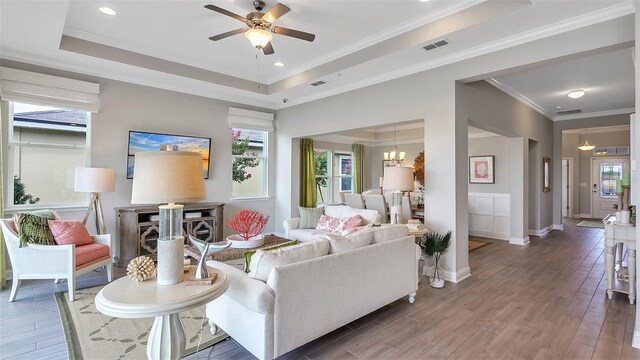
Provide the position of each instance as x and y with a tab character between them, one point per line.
67	232
353	222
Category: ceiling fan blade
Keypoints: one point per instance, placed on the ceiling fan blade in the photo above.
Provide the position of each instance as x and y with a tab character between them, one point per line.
293	33
227	34
268	49
275	12
226	12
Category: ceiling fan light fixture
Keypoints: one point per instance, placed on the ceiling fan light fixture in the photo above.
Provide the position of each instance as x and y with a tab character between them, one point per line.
575	94
259	38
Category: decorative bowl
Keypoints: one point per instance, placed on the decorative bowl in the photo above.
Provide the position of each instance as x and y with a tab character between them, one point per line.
238	242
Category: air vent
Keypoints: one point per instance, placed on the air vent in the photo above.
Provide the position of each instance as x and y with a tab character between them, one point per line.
437	44
569	112
318	83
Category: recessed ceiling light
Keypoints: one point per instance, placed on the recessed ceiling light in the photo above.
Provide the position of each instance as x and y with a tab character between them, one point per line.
278	64
575	94
423	0
107	10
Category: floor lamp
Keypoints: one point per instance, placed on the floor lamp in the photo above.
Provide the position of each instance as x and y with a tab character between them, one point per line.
168	177
398	179
95	181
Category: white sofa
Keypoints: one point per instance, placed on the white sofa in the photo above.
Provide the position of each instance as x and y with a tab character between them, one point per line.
293	232
305	300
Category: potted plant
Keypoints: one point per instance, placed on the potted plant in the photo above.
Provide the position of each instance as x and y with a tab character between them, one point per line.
248	226
434	245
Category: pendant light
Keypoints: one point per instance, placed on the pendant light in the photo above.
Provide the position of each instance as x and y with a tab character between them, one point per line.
394	155
586	146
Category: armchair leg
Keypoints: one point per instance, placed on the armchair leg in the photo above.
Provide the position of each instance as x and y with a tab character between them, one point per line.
14	289
109	272
71	284
214	327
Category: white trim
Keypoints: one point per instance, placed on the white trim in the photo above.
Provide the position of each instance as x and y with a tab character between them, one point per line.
594	114
558	227
495	195
570	179
542	232
447	275
602	129
520	97
518	241
636	339
484	134
488	234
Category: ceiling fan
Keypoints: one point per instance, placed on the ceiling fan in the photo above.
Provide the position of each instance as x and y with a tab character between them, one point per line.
260	26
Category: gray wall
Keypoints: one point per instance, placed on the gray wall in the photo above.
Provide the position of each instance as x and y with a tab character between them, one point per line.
499	147
582	163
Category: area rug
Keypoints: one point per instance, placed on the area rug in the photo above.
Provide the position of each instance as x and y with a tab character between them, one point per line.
477	244
592	224
91	335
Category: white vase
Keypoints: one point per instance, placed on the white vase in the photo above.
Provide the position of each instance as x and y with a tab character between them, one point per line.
238	242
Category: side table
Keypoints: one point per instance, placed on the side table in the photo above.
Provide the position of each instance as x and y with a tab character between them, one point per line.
127	298
619	234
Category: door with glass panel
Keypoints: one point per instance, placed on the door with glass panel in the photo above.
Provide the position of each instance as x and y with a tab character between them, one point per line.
605	172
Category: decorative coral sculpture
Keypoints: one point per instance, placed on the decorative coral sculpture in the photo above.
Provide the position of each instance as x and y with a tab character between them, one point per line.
247	223
140	268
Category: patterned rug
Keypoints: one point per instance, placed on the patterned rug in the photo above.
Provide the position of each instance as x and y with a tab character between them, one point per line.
91	335
477	244
592	224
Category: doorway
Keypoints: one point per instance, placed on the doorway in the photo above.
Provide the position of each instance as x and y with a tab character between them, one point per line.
604	173
567	167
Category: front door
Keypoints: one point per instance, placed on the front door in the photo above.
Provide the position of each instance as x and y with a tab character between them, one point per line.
605	172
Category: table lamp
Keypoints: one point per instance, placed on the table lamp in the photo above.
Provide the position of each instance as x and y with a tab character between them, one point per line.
95	181
168	177
398	179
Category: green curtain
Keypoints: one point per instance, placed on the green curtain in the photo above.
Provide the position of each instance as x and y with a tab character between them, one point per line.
307	174
3	266
358	168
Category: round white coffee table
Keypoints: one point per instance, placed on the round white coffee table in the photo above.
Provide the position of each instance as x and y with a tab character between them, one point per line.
127	298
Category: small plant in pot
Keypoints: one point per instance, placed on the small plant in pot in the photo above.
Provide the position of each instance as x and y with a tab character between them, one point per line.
434	245
248	226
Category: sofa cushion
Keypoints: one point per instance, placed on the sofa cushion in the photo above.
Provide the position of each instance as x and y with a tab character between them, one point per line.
389	232
249	254
356	240
335	211
309	217
88	254
34	229
67	232
262	262
306	235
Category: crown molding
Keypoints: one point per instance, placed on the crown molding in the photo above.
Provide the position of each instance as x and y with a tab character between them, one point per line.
520	97
595	114
485	134
609	13
604	129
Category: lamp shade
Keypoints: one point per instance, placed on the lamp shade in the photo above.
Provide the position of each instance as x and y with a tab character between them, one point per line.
95	180
398	178
258	37
167	177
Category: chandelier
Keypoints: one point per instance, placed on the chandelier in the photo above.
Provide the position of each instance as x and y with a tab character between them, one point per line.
394	155
586	146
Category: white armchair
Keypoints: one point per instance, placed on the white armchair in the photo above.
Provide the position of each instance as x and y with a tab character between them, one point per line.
35	261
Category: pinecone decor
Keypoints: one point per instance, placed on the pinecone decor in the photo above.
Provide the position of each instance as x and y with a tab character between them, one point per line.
140	268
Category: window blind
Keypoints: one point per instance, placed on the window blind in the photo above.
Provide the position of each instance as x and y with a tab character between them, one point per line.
248	119
40	89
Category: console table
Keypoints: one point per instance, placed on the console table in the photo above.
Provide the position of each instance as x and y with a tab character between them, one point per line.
619	234
127	298
137	228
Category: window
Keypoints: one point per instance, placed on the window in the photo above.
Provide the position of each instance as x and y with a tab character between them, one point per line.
333	175
249	169
609	173
46	144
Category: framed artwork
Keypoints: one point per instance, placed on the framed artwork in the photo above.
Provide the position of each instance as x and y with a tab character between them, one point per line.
482	169
546	174
148	141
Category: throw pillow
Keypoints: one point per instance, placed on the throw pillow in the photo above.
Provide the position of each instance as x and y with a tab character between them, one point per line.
67	232
353	222
49	214
263	262
34	229
309	217
249	254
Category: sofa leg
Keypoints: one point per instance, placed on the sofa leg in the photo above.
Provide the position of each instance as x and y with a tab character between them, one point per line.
412	297
214	327
14	289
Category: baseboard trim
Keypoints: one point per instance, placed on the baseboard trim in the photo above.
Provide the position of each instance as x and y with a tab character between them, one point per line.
636	339
541	232
454	277
488	234
558	227
518	241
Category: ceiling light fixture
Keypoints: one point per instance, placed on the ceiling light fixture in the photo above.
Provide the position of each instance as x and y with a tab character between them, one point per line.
394	155
278	64
259	38
586	146
107	10
576	94
423	0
